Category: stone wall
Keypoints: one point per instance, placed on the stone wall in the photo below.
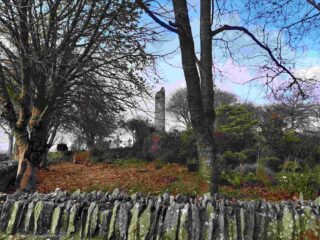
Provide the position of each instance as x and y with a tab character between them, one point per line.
8	173
98	215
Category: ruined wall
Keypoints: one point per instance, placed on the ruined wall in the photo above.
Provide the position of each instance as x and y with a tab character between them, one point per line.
160	110
97	215
8	173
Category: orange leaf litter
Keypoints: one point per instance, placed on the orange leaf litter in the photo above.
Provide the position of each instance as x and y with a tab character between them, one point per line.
69	176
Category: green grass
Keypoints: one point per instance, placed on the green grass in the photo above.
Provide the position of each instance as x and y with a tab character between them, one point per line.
129	162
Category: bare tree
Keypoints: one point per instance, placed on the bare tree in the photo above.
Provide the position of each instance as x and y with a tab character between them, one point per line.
47	48
177	104
93	118
294	108
177	107
199	76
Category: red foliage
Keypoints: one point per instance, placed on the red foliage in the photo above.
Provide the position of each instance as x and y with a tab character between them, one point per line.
81	158
219	134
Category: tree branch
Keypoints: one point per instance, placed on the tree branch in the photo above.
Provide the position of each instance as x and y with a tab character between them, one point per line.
314	4
5	101
264	47
156	19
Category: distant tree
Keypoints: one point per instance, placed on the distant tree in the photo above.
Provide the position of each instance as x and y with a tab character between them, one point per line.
295	109
224	98
272	125
239	124
140	129
177	105
92	118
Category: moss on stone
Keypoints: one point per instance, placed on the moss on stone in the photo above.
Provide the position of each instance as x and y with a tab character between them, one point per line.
232	228
184	222
309	222
133	230
287	224
112	229
55	220
37	217
14	217
73	215
144	222
28	222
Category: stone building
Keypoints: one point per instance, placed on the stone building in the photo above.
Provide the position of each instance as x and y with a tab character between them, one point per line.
160	110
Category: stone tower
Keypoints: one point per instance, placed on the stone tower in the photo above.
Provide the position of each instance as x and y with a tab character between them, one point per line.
160	110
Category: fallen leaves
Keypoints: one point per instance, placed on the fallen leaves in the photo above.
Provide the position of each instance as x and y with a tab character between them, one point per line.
144	177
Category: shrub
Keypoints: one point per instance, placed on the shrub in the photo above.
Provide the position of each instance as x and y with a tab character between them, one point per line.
97	154
304	182
55	156
233	159
158	164
251	155
273	163
62	147
81	157
237	179
129	162
171	147
192	165
290	166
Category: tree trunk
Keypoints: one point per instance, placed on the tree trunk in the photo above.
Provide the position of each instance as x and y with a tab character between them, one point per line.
30	154
199	114
44	162
50	141
10	147
27	172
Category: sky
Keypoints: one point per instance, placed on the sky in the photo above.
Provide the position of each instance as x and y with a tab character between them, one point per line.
236	77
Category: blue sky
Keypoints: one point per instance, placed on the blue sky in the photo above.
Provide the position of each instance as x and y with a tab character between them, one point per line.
236	76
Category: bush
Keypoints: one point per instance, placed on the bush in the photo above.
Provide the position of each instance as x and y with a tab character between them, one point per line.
158	164
233	159
251	155
192	165
290	166
97	154
273	163
62	147
81	157
237	179
171	147
55	156
304	182
129	162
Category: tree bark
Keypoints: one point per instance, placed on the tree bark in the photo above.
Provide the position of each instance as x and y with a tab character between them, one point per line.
11	139
50	141
30	155
206	63
199	114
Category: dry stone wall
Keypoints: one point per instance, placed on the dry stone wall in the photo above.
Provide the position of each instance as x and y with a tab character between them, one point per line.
98	215
8	173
